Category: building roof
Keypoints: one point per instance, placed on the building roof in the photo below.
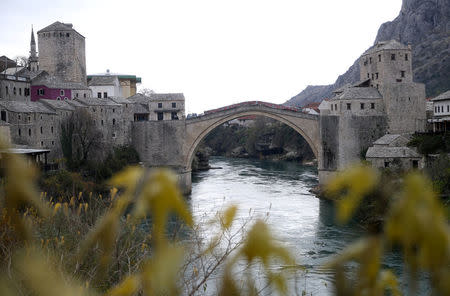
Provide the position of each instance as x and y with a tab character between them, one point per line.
391	152
58	26
118	75
75	103
167	97
96	102
388	139
386	45
103	80
351	93
141	108
57	105
442	97
120	100
26	107
342	88
140	98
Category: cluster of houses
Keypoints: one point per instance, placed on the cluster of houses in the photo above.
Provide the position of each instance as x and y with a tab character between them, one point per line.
36	99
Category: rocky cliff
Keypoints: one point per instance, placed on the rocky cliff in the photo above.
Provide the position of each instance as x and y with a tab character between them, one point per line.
425	24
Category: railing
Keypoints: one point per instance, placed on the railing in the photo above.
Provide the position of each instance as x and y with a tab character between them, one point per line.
253	103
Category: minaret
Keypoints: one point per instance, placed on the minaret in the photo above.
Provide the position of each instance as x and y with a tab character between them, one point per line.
33	59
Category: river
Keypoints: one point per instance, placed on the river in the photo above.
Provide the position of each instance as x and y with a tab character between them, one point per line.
280	192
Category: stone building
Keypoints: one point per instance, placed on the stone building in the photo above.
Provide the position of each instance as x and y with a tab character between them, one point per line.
113	85
46	86
384	101
62	52
441	113
391	151
15	84
387	66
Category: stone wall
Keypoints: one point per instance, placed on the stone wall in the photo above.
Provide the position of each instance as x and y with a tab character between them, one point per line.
159	143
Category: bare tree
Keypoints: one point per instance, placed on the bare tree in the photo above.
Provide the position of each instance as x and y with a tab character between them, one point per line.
22	61
146	91
80	136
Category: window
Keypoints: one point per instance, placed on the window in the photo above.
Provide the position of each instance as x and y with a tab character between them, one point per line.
349	106
20	132
372	105
76	95
3	115
67	35
373	76
406	56
331	107
61	92
20	91
174	116
29	132
53	143
42	131
159	105
393	57
174	105
435	110
368	75
160	116
14	90
376	75
93	109
58	98
335	107
362	106
65	99
114	110
402	73
6	90
101	110
114	121
42	143
415	164
114	135
102	122
26	91
51	129
84	95
99	95
105	94
448	108
379	57
29	118
41	92
386	164
20	117
370	60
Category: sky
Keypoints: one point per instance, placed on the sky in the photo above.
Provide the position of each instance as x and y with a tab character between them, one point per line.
215	52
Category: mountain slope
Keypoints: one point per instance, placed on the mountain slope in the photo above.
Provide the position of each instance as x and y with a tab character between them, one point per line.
425	24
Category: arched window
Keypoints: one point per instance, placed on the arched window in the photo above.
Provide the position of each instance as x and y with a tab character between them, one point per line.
29	132
42	130
20	132
114	121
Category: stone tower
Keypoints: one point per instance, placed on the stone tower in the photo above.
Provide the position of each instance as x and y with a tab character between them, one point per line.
33	59
387	66
62	52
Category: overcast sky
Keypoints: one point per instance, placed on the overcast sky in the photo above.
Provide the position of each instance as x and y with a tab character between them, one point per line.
216	52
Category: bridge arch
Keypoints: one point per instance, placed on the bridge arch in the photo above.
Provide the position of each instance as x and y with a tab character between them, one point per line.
198	128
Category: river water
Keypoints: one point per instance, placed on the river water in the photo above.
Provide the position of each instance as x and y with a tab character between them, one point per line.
279	191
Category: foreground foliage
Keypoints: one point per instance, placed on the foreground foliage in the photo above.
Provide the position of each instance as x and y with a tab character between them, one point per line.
91	245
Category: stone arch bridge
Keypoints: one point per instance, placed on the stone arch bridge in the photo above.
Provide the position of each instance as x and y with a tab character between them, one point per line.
174	143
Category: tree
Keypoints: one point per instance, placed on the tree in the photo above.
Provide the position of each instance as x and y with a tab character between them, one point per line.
80	137
146	91
22	61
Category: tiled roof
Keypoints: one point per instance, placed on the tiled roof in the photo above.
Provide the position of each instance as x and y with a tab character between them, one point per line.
96	102
140	108
387	139
386	45
443	96
103	80
57	105
120	100
167	97
57	26
391	152
359	93
139	98
26	107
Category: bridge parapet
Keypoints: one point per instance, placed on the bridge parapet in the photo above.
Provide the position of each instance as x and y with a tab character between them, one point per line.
252	106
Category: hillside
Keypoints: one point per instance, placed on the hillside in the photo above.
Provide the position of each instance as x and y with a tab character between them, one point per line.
423	24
